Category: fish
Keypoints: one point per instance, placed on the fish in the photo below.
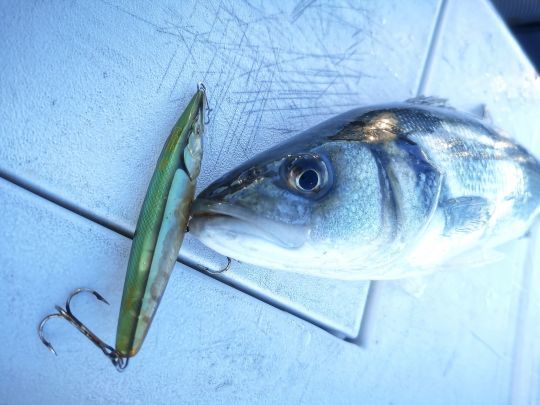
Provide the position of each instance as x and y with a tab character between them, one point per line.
379	192
161	226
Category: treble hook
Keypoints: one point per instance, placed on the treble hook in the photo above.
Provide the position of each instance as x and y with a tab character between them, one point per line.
118	360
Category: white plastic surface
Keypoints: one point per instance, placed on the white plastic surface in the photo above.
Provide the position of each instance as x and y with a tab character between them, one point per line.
462	336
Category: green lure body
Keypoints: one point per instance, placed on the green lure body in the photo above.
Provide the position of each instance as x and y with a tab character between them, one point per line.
161	226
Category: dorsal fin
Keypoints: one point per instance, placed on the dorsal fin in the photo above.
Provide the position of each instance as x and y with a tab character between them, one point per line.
430	100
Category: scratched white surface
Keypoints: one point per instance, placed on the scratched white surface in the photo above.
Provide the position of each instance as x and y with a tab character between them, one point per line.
87	97
91	89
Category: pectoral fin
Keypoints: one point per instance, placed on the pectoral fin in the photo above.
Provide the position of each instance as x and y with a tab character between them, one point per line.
465	214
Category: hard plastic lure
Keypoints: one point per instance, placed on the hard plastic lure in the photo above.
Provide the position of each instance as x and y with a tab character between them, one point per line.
161	227
158	236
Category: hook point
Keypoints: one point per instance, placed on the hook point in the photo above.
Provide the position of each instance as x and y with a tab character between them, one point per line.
49	346
41	326
100	297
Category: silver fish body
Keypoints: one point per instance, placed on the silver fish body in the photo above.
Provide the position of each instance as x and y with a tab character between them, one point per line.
375	193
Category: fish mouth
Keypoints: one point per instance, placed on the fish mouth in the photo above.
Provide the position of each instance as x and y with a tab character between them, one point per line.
237	220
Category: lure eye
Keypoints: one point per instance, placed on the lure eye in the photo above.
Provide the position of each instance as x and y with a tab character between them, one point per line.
307	174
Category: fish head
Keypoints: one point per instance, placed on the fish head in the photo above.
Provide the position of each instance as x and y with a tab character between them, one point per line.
310	203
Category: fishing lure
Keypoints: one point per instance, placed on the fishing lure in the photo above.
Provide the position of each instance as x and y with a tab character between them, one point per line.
161	227
158	236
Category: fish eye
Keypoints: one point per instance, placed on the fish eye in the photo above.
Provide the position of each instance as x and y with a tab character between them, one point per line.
308	180
307	174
